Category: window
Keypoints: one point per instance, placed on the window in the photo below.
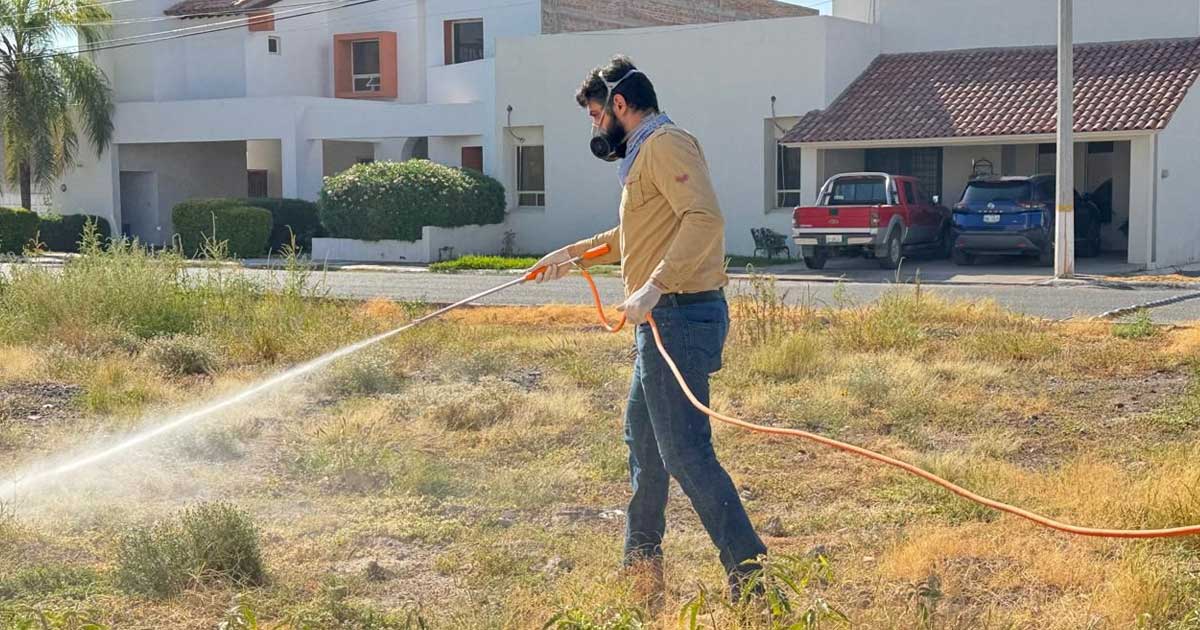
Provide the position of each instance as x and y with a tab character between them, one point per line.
787	176
910	196
925	164
857	192
464	41
273	45
989	192
365	65
531	177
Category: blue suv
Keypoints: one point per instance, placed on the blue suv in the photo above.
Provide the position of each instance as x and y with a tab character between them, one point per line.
1014	216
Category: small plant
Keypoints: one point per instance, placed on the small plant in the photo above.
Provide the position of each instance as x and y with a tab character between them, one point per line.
1140	327
763	313
606	619
797	356
39	618
925	595
183	355
206	542
769	596
466	263
331	611
365	374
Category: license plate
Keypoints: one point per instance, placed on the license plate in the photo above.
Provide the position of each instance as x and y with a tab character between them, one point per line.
991	218
833	238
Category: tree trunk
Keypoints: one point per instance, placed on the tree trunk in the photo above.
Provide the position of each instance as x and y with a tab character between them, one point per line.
26	187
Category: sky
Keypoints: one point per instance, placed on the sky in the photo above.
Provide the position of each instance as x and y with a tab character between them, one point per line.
822	5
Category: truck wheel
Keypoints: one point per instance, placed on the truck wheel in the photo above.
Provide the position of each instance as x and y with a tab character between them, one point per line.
962	258
818	258
894	253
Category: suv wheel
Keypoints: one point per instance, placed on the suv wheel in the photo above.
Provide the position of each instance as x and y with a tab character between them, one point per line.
818	258
894	252
962	258
1045	256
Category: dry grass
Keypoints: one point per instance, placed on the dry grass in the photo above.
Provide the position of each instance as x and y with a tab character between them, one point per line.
470	473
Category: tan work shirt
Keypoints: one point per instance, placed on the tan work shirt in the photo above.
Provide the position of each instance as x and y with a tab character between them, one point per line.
671	230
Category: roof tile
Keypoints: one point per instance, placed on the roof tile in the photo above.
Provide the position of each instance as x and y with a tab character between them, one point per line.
1119	86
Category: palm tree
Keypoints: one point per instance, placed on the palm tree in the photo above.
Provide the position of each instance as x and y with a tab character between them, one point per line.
44	93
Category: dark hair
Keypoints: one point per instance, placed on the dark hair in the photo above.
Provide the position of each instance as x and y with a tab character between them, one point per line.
637	89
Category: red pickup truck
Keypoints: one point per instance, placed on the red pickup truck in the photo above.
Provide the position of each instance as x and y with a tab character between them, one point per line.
874	215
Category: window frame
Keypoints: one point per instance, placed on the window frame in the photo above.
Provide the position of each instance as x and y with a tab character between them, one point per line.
782	194
538	196
278	41
377	75
451	34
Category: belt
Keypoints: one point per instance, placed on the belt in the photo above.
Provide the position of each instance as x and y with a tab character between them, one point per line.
683	299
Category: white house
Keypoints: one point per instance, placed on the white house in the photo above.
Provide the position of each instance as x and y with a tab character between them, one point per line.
780	99
932	88
266	97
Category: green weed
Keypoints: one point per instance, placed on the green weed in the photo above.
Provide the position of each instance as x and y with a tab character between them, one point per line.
468	263
779	594
206	542
22	617
182	355
606	619
1140	327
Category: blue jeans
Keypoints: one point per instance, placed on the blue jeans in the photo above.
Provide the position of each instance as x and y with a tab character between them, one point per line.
668	436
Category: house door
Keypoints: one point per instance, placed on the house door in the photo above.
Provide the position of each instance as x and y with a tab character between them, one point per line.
256	183
472	158
139	207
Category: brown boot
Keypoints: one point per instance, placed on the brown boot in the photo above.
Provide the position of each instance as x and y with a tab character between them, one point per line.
649	583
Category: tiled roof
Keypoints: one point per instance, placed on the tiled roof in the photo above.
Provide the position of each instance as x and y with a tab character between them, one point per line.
214	8
1120	86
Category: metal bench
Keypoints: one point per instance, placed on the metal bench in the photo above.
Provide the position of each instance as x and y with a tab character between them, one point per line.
769	241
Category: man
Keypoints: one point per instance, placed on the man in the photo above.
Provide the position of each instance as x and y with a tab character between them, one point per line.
671	245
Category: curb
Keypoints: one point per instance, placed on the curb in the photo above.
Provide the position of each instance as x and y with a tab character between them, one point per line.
1129	310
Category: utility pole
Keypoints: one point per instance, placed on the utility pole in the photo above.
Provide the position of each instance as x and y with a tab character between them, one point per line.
1064	224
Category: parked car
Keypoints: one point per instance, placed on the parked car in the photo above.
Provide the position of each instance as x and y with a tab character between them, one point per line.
1014	216
874	215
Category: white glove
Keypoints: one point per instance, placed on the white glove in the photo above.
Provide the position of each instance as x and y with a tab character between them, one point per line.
639	305
555	264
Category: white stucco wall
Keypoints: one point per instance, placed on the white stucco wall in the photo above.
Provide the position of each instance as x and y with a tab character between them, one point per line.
187	170
914	25
1177	233
448	149
267	155
746	62
340	156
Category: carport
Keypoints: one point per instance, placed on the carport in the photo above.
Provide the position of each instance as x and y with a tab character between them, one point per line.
948	116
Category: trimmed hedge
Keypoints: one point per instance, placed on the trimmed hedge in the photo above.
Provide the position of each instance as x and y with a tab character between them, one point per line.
297	214
62	233
246	228
18	226
394	200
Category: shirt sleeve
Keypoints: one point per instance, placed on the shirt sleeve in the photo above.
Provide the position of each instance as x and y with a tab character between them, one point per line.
612	238
677	169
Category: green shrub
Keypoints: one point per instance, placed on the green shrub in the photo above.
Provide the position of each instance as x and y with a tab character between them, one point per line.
245	229
183	354
290	216
63	233
206	542
17	227
394	200
465	263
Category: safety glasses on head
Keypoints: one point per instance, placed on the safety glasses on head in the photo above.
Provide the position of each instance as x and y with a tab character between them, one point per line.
609	144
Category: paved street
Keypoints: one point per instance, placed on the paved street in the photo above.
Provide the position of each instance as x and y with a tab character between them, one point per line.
1042	301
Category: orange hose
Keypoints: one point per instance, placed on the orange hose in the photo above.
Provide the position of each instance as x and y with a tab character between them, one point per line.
1000	506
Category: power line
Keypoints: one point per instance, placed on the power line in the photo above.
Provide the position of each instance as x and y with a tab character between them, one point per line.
160	18
181	33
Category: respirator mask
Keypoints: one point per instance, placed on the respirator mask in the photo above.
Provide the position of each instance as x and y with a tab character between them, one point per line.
609	144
